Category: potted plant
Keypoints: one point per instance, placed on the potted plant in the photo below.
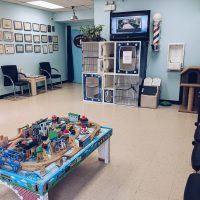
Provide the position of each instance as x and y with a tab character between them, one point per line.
91	33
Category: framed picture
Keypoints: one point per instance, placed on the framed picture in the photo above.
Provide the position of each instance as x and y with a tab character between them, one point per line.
0	23
45	49
49	38
37	48
9	48
6	23
50	48
44	38
17	25
19	48
36	38
36	27
1	49
28	38
28	48
43	28
53	28
8	36
49	28
1	35
55	39
55	47
18	37
27	26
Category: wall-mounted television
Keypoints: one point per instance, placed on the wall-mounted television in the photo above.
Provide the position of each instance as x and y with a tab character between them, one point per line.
132	25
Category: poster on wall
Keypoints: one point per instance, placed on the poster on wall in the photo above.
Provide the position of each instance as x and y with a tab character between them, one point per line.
1	35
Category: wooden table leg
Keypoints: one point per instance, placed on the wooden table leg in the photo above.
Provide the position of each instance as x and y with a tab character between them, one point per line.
190	99
33	87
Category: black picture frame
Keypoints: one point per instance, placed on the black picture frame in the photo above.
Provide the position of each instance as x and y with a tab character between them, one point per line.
27	26
49	28
53	29
49	38
55	39
28	48
19	37
36	38
43	28
37	48
28	38
44	39
17	25
55	47
36	27
19	48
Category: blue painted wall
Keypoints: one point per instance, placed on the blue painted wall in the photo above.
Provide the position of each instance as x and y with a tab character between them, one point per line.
30	61
77	58
179	24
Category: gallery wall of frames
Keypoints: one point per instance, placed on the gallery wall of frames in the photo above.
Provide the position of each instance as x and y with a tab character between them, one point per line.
27	37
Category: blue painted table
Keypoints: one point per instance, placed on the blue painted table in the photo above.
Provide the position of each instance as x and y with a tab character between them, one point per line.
35	186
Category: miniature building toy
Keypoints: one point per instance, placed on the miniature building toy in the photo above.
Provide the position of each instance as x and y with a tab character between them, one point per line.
42	153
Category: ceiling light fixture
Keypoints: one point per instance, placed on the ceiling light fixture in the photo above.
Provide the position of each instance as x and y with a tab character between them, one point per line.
45	4
74	17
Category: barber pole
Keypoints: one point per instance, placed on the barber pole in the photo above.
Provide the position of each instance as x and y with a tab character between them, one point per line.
156	32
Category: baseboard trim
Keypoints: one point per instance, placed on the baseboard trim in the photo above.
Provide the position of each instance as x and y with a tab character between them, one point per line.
171	101
26	91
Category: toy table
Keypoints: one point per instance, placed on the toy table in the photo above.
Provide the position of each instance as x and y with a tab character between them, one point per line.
34	185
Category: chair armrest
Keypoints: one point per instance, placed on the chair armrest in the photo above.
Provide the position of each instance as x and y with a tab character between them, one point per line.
46	72
9	78
20	73
56	70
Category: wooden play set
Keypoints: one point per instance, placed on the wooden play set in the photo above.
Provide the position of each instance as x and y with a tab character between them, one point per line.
42	154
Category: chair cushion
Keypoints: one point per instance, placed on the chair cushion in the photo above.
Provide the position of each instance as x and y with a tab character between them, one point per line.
192	188
55	75
21	83
196	157
150	90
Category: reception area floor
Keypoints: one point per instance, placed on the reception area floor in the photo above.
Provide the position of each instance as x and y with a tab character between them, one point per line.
150	148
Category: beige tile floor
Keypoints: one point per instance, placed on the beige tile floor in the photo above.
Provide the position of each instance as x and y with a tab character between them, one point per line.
150	149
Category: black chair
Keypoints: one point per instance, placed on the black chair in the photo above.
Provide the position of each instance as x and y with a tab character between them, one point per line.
46	70
11	78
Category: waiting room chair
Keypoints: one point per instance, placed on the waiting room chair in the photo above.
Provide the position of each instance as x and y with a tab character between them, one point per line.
46	70
11	78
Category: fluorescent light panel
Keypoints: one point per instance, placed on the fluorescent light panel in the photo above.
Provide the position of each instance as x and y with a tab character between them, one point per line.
45	4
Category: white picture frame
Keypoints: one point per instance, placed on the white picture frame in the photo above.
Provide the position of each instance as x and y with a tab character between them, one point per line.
1	35
1	49
6	23
8	36
50	48
9	48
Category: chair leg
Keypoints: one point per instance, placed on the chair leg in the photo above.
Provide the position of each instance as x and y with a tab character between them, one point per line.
29	89
51	83
14	91
60	81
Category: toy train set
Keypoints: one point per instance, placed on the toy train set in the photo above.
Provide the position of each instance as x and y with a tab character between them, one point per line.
46	141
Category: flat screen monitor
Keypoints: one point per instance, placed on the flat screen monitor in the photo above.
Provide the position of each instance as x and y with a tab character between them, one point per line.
132	25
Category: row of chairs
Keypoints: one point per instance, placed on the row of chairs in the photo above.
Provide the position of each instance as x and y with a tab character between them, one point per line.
192	188
12	76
